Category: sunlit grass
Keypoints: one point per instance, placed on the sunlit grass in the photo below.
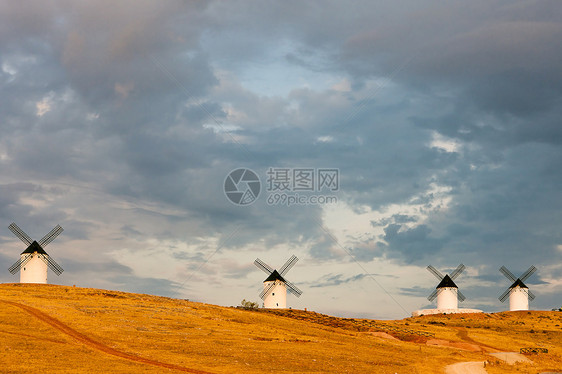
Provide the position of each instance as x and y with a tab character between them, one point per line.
228	340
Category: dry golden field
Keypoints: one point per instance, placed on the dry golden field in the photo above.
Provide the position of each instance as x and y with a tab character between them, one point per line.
49	328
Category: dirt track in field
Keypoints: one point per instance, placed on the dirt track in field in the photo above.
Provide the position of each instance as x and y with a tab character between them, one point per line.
463	334
84	339
466	368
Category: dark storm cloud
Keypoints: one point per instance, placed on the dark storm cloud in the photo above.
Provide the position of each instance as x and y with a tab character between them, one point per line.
150	103
5	262
415	291
157	286
396	218
519	199
109	267
500	59
137	100
336	280
410	244
14	208
502	80
10	195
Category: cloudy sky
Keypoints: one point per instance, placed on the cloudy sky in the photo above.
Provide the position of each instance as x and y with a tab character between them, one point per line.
121	120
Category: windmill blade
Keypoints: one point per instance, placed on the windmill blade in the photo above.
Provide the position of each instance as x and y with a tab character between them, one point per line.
293	289
432	296
504	295
528	273
460	296
457	271
263	266
56	268
266	291
51	236
508	274
288	265
44	259
19	263
20	234
435	272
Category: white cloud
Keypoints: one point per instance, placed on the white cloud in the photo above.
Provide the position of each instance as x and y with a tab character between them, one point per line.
446	144
44	106
325	139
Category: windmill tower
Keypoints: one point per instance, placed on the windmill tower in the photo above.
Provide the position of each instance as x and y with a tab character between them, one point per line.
519	294
34	260
447	292
275	286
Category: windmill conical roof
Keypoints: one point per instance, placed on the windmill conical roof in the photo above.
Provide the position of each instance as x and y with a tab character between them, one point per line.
34	247
274	276
518	283
446	282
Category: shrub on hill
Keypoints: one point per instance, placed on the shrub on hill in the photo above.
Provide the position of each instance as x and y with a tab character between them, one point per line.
249	304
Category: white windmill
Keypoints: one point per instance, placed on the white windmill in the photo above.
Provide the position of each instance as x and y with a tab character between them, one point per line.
275	286
34	260
519	294
447	292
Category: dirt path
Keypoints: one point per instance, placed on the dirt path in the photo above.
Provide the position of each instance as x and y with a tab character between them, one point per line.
463	334
84	339
476	367
511	357
458	345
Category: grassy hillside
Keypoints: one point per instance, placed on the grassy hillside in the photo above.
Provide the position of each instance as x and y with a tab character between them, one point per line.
48	328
